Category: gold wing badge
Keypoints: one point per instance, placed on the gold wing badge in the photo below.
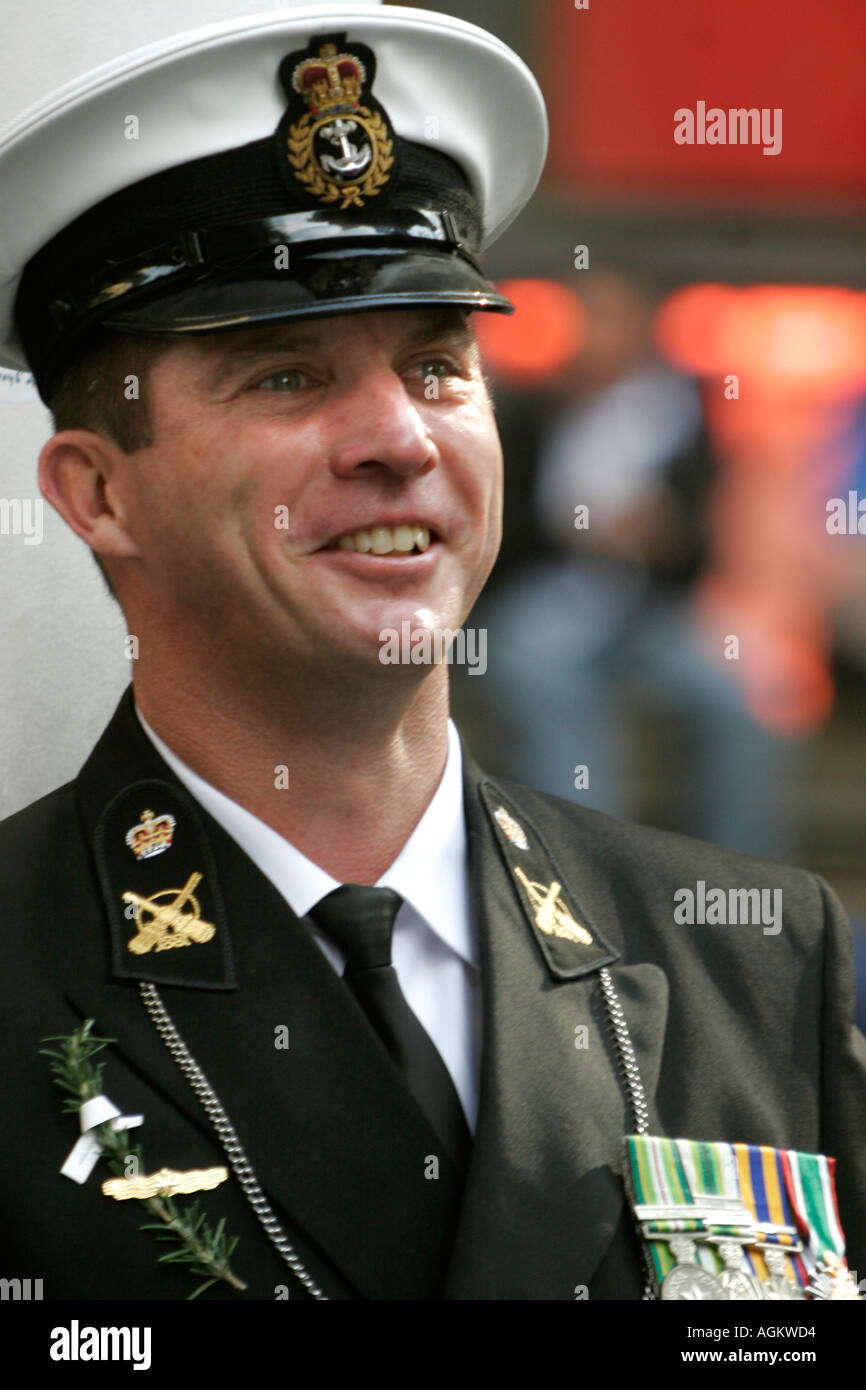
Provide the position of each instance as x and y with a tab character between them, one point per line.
166	1183
164	925
551	914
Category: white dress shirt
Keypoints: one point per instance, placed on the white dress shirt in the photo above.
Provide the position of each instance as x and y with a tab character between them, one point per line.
435	953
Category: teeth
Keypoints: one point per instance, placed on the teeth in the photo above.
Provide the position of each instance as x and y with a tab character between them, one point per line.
404	538
384	540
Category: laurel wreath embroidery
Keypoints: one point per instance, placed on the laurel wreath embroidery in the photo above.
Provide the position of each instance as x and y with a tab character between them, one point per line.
300	147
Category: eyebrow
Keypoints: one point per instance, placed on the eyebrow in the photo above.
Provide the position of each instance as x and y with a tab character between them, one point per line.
444	324
450	324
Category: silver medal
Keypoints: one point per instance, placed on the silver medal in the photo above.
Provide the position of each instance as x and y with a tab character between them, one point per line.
687	1280
739	1285
779	1288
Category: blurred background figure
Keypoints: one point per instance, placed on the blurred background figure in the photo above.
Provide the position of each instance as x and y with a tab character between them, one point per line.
603	630
688	364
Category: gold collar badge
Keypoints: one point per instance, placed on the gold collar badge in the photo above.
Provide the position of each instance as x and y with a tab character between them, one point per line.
551	914
163	925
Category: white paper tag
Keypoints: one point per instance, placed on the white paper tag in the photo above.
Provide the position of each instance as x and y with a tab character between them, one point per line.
17	385
82	1158
84	1154
96	1112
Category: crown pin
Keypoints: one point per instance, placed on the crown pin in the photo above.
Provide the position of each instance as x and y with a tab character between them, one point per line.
153	835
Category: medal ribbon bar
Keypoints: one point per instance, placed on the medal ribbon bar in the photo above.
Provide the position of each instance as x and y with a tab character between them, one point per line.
723	1221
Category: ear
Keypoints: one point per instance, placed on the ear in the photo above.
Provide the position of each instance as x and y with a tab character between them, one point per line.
80	474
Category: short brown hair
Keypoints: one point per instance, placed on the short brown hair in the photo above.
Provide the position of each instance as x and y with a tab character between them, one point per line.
105	390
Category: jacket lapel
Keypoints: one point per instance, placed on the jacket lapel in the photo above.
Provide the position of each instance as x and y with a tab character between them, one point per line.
544	1198
339	1146
542	1212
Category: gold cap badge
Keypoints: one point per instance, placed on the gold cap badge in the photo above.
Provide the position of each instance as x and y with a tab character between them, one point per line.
341	147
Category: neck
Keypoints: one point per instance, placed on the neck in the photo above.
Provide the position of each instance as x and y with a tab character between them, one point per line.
345	780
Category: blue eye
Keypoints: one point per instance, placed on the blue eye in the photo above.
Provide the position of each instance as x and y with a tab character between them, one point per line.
289	379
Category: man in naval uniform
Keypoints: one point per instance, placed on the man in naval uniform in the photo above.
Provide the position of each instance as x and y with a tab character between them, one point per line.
412	1011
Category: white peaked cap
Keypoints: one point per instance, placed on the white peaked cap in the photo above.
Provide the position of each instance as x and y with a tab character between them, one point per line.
444	84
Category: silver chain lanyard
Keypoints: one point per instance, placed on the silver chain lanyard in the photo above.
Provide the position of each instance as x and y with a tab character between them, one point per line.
227	1135
634	1086
627	1058
228	1138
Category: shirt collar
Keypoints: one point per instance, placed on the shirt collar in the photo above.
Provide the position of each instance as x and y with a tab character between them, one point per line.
430	873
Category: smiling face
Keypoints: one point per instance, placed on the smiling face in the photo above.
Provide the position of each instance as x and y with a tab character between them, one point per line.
283	507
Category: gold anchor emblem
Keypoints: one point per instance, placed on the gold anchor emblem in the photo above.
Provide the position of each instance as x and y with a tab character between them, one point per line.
169	925
551	914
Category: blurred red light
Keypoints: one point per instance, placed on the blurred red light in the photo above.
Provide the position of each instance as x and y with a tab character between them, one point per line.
776	335
543	335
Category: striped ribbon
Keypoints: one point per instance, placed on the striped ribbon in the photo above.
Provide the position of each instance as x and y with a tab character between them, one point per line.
810	1185
779	1192
762	1186
659	1180
711	1170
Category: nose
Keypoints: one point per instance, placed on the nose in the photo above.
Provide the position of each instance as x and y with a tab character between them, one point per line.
381	428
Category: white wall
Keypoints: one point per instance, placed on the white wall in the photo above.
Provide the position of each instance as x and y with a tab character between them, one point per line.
62	664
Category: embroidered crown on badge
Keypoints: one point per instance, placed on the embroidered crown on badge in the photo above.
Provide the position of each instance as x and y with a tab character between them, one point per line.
151	836
343	146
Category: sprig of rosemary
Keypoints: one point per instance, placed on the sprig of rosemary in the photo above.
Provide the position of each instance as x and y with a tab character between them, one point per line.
206	1251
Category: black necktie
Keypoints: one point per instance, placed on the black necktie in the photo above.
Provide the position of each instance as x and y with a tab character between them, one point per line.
360	921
